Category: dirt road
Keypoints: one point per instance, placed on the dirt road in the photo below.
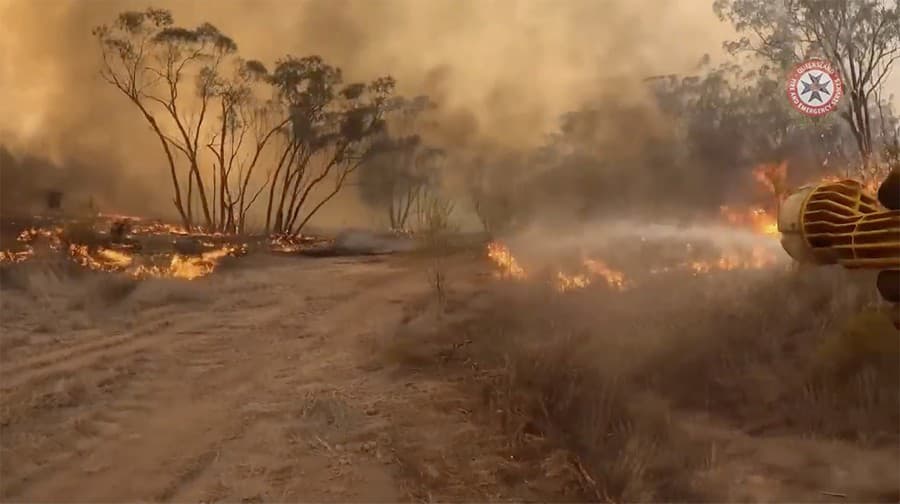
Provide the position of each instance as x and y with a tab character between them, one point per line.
256	384
273	381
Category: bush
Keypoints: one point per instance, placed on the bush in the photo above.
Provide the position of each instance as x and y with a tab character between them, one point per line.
593	389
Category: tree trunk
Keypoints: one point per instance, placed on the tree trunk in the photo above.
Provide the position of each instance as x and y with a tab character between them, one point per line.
201	193
272	185
190	201
179	204
393	218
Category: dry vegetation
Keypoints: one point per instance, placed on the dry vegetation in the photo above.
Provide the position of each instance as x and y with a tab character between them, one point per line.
755	384
668	392
715	377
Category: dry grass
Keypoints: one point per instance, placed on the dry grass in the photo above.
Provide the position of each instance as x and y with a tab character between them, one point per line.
436	232
591	392
798	355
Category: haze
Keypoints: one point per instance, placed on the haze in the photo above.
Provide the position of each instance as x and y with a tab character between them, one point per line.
502	71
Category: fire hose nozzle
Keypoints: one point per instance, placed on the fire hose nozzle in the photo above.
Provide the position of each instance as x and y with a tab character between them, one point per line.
839	223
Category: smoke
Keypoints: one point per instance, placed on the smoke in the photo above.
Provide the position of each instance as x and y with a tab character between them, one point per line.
502	71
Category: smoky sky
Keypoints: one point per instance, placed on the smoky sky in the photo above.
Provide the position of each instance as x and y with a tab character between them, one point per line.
502	71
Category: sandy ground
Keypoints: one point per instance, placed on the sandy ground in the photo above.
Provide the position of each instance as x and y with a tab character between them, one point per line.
249	385
264	383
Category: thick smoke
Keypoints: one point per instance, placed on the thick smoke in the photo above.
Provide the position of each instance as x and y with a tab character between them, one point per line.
503	71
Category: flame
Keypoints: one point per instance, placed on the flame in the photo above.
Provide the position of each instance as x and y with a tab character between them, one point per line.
759	258
568	282
869	184
27	238
830	179
104	258
290	244
502	257
141	225
116	257
599	268
12	256
758	219
509	267
191	267
594	269
772	176
179	265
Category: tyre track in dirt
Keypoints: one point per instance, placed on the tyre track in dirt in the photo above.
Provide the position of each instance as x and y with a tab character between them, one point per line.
283	451
140	355
107	417
154	429
72	358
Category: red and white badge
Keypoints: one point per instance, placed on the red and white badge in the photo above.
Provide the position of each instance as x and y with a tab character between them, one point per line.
815	87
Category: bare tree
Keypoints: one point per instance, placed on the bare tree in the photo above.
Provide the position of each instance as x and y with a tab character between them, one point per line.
861	37
325	128
125	47
332	128
490	187
434	211
246	126
393	178
402	167
149	59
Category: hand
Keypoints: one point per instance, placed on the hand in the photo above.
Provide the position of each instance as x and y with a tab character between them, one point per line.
889	191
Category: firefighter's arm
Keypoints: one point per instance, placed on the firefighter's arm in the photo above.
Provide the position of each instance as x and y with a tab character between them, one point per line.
889	192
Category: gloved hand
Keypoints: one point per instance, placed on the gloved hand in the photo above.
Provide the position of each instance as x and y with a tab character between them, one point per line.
889	191
889	280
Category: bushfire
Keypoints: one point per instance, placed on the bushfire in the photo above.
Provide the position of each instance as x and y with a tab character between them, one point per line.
124	257
758	220
593	270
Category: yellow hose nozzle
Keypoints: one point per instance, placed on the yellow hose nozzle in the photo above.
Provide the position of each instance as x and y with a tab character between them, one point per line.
839	223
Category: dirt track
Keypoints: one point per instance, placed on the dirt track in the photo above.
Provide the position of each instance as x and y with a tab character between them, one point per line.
268	382
245	386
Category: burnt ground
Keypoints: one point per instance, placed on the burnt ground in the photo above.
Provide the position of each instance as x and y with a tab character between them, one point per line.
398	378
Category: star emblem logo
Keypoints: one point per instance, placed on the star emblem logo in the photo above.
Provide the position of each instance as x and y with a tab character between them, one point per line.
815	88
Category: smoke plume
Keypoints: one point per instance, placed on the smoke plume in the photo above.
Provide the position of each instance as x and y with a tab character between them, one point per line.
501	71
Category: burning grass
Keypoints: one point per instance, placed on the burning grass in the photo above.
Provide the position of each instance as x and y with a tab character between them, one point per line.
590	268
757	249
136	248
151	249
605	390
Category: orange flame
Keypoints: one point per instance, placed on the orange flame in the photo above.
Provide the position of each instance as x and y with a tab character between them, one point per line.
182	266
599	268
502	257
179	265
772	176
594	269
757	219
